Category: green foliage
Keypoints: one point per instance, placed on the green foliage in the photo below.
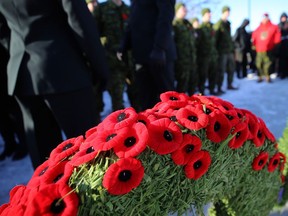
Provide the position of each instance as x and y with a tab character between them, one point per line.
283	147
230	183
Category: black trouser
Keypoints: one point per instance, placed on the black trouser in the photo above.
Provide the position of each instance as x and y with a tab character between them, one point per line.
151	82
45	117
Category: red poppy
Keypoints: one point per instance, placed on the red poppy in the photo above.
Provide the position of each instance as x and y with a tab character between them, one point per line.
4	208
218	128
134	143
260	161
146	117
13	210
198	165
163	109
66	149
241	134
252	123
37	176
266	131
208	109
124	16
283	180
222	105
201	99
192	118
259	139
174	98
123	176
120	119
60	173
274	162
106	139
54	199
91	131
189	146
84	156
164	136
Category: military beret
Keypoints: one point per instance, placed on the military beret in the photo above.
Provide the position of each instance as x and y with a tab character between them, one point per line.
178	5
225	8
205	10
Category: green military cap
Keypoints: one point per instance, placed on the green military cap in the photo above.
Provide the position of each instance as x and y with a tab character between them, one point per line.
225	8
178	5
194	19
205	10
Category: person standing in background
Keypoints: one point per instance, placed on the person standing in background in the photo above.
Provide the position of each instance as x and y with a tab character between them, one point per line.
51	44
91	4
185	47
225	48
266	39
242	45
149	36
11	120
283	49
207	53
112	17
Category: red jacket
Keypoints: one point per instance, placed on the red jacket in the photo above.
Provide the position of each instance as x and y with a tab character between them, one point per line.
266	36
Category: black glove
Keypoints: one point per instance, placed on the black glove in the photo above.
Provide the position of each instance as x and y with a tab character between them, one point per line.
157	58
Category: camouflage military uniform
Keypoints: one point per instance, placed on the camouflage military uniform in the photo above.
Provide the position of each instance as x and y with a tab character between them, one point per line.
186	55
112	21
225	48
207	57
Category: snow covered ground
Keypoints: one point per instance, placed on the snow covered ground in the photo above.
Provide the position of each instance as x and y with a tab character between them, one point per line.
267	100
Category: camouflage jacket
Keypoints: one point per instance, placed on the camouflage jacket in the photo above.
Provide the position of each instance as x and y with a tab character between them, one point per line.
184	39
112	21
224	42
206	39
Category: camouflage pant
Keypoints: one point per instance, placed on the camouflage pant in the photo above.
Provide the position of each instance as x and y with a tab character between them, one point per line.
193	78
207	70
226	63
182	75
116	84
264	62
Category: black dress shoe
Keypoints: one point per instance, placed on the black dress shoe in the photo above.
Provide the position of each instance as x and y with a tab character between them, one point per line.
220	92
232	88
19	154
6	153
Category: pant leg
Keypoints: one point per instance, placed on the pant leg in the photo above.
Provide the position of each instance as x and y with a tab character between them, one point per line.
259	64
74	111
41	128
204	63
221	70
230	68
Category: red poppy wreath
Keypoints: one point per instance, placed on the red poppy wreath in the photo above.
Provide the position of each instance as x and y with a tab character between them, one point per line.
176	157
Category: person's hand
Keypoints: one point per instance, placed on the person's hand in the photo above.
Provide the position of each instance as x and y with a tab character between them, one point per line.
119	56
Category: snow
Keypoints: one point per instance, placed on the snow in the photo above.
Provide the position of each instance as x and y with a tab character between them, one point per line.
266	100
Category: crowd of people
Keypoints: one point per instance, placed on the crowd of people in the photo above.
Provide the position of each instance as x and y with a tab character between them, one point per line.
56	76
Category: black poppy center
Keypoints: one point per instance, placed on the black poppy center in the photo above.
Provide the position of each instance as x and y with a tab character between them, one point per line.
67	146
238	134
168	136
130	141
217	126
125	175
89	150
173	118
43	171
121	117
111	136
142	121
193	118
58	177
275	162
57	206
261	162
230	117
189	148
239	115
208	111
173	98
197	165
259	134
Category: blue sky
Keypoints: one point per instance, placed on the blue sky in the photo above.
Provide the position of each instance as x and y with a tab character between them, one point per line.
240	10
